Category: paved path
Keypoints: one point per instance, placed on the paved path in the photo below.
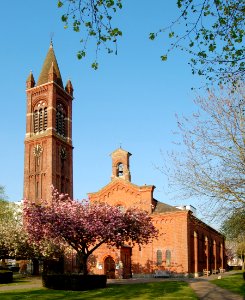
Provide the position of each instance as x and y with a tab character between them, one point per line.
208	291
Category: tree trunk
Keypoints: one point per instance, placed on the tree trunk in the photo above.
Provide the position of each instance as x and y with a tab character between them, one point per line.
35	264
83	263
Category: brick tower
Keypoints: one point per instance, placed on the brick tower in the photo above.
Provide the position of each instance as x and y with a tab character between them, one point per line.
120	164
48	141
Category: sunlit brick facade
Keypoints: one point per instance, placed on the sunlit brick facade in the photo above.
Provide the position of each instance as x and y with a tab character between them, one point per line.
48	140
185	244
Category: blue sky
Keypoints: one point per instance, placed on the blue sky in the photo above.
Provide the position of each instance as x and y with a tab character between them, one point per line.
130	100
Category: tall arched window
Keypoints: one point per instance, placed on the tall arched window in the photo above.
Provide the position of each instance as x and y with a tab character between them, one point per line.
168	258
60	120
159	257
40	117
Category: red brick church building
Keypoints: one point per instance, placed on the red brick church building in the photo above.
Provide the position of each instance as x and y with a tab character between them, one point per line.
185	244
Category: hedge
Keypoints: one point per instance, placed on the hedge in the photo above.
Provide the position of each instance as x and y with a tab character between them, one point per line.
6	276
74	282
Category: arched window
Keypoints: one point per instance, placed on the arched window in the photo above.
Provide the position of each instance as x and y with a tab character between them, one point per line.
159	257
121	208
40	118
60	120
168	258
120	170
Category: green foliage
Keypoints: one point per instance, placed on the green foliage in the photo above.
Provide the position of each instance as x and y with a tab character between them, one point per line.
92	20
234	230
234	226
213	36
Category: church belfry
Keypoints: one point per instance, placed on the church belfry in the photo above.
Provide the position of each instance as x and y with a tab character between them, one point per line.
120	164
48	140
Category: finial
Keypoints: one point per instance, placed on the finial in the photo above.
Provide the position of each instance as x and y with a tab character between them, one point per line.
51	39
120	145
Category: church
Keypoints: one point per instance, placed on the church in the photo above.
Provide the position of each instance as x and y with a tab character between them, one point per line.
185	244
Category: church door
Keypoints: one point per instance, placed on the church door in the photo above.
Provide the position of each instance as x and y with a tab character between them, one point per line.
126	253
109	267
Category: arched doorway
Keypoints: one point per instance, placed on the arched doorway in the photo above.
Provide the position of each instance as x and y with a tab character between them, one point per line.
109	267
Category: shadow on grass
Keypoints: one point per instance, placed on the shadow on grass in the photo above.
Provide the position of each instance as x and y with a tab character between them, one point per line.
234	283
143	291
22	280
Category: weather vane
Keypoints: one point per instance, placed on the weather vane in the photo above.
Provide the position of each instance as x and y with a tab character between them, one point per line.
51	37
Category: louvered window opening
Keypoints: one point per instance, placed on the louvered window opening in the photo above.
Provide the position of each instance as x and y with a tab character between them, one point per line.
60	120
40	120
45	124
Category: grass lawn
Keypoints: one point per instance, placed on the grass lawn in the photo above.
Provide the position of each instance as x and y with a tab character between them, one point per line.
235	283
142	291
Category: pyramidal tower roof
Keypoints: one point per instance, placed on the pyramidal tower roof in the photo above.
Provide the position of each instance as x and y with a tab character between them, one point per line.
49	60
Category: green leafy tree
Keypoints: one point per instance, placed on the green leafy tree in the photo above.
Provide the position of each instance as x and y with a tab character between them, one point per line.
234	229
241	253
5	214
213	33
234	226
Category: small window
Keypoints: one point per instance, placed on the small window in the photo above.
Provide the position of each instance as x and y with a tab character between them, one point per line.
121	208
159	257
168	258
120	170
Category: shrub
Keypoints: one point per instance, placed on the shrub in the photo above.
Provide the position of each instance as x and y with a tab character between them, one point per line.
14	268
74	282
6	276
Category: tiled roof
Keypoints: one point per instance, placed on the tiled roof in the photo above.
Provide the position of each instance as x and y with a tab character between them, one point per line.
50	58
163	207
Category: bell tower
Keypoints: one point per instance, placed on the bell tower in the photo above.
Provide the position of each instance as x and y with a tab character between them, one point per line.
120	164
48	140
